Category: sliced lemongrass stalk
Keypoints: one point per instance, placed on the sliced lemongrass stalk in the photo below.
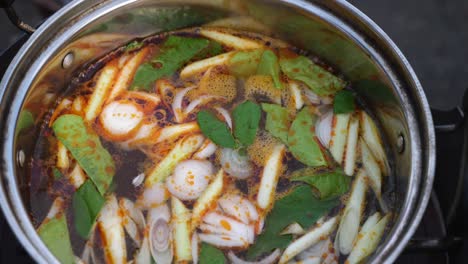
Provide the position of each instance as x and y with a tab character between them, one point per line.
77	177
56	208
126	74
230	40
293	229
368	239
64	104
226	115
204	65
149	98
132	230
339	136
175	131
206	150
195	247
181	229
320	250
371	136
270	175
120	120
351	146
63	162
241	23
309	239
323	128
223	241
177	103
207	199
143	255
352	214
101	91
296	95
270	259
374	174
78	104
183	149
111	229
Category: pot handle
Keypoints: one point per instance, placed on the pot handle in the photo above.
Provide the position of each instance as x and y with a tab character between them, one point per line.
14	18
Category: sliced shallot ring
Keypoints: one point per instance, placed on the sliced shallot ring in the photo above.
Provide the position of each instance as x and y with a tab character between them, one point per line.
177	103
323	128
206	150
204	99
226	116
270	259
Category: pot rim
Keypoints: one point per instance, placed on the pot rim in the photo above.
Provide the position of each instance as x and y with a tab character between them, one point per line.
420	126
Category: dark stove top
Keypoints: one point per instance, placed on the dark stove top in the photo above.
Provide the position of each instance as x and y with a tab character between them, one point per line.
430	33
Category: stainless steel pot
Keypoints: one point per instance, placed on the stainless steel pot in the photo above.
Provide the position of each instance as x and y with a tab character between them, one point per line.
334	30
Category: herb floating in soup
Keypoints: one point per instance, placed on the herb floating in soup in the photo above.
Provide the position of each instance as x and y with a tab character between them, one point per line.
212	146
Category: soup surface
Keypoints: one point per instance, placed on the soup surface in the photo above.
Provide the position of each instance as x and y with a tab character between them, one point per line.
208	145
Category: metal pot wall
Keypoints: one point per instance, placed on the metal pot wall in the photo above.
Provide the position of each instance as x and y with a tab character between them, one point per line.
334	30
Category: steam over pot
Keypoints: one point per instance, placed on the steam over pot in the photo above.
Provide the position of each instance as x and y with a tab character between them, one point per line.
334	30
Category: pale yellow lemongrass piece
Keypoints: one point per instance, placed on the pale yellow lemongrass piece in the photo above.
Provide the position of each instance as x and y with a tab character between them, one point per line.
207	198
204	65
296	95
372	167
111	229
352	214
339	136
181	229
309	239
77	177
230	40
371	136
241	23
99	95
270	175
78	104
64	104
368	240
351	147
293	229
127	73
176	131
183	149
63	162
